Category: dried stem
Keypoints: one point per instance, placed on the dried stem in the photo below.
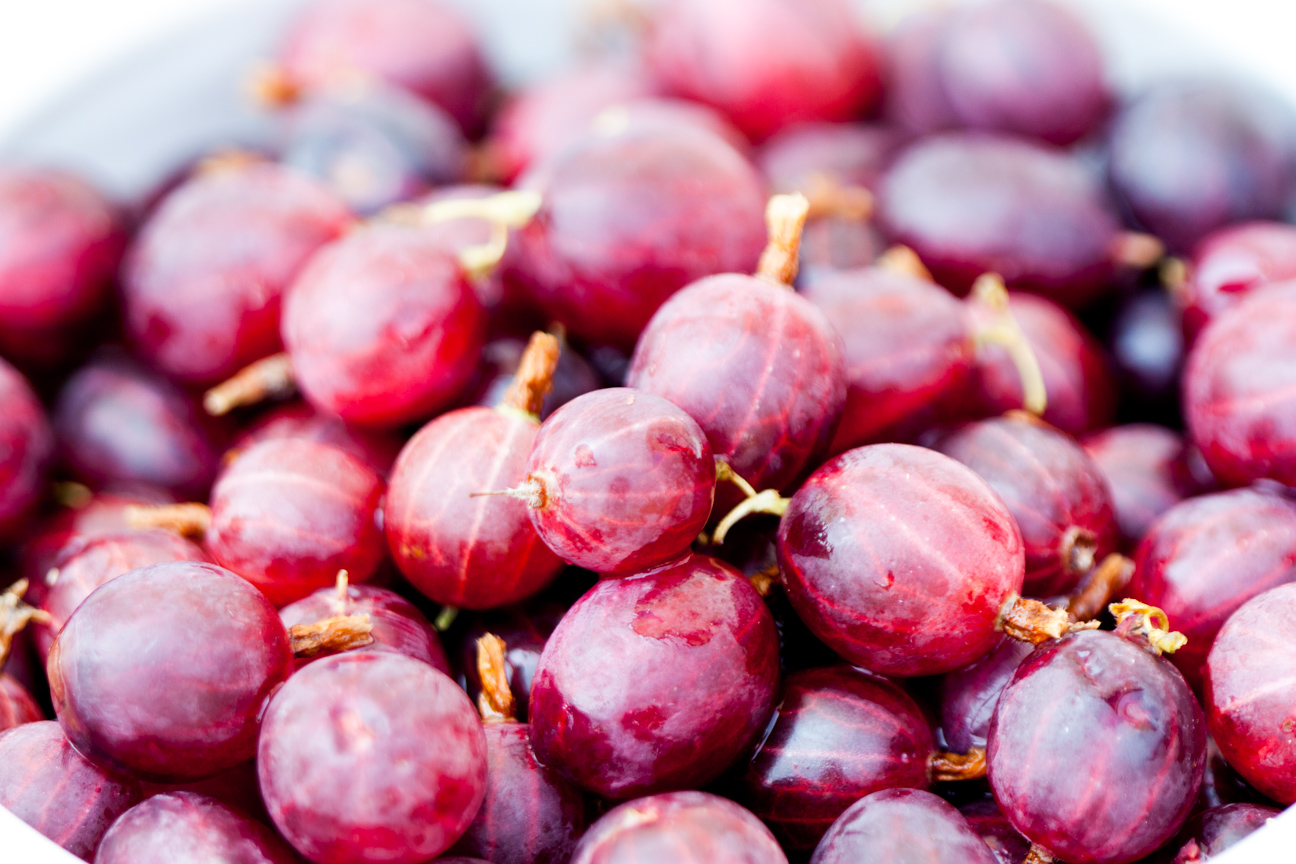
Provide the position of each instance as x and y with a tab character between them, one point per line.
1136	618
445	618
270	377
1136	250
785	216
189	520
14	616
1031	621
990	291
951	767
1078	550
271	87
1038	855
495	702
902	259
769	501
763	580
503	211
1106	581
332	634
831	199
534	377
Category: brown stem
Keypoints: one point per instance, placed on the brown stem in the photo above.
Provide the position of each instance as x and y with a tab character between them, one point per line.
534	377
1078	550
271	87
14	616
495	702
990	292
1136	250
1135	618
189	520
1031	621
1103	583
828	198
769	501
1038	855
270	377
332	634
763	580
902	259
951	767
785	216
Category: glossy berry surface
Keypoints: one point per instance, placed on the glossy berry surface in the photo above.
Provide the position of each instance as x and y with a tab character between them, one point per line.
915	99
186	701
1106	702
908	349
16	705
678	828
204	280
969	204
756	365
377	448
1055	492
531	814
464	551
1249	692
371	757
1181	566
398	625
619	480
902	825
1229	264
57	791
1211	832
383	327
1147	349
767	64
186	824
657	681
838	735
287	515
869	559
628	219
26	449
968	696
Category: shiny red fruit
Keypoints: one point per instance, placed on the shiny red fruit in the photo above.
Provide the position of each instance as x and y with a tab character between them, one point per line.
1211	832
895	826
184	826
26	449
1229	264
398	626
968	696
377	448
16	705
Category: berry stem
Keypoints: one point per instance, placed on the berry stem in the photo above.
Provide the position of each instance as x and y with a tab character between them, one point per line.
189	520
271	87
1134	618
952	767
769	501
445	618
70	494
270	377
831	199
1037	855
1106	581
1136	250
990	292
332	634
763	580
14	616
902	259
725	473
534	377
495	702
532	491
785	216
342	593
1031	621
1078	550
503	211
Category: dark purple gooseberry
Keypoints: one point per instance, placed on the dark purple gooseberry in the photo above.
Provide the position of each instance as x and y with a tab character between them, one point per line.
377	448
678	828
117	422
203	282
500	358
657	681
1229	264
383	327
1146	341
26	448
1055	492
524	629
373	145
885	540
398	626
619	480
1025	67
628	219
973	203
1238	389
1188	157
1207	556
16	705
756	365
164	671
184	827
908	349
424	46
838	735
1208	834
53	788
1006	843
968	696
902	825
60	242
768	64
1097	748
1251	688
371	757
915	99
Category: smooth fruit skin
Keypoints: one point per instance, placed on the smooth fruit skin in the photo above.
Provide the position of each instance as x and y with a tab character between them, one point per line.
26	449
656	681
1051	487
531	814
838	735
1249	694
627	479
1209	833
383	327
164	671
1096	749
463	551
915	99
767	64
288	514
187	828
1238	387
398	625
203	282
630	218
1228	264
908	349
1207	556
54	789
16	705
377	448
756	365
371	757
902	826
968	696
678	828
900	559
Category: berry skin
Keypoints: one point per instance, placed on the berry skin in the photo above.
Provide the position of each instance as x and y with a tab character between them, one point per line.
184	824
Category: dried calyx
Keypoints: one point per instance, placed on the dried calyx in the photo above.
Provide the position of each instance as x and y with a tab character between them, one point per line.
902	259
495	702
1038	855
991	294
950	767
268	378
785	216
15	615
534	377
1137	619
341	633
1103	583
1031	621
1078	550
189	520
